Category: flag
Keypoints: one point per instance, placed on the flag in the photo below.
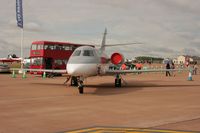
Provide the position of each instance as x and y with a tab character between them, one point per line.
19	13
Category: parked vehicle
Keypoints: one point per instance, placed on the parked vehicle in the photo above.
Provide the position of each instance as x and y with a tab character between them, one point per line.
4	68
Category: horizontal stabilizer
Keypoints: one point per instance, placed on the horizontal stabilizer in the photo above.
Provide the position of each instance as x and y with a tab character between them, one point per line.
122	44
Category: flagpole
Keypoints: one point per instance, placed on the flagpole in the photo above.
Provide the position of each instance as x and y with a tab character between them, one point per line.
19	17
22	41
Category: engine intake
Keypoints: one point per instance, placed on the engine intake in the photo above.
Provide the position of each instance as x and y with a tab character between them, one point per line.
117	58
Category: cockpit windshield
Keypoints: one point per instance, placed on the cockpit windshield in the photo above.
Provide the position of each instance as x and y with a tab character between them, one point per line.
77	53
88	53
83	53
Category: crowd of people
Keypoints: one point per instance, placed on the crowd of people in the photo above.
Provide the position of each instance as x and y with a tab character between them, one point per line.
169	65
187	65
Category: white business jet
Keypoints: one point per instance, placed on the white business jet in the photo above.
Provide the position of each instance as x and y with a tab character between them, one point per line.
87	61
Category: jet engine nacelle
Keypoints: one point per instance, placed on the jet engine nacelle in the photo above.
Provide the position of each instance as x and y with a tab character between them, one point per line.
117	58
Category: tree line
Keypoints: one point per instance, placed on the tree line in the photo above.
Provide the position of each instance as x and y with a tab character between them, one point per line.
148	59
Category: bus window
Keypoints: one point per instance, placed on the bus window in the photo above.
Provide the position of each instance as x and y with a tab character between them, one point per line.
39	47
37	61
63	47
58	62
65	62
73	48
57	47
34	47
88	53
49	47
60	47
77	53
67	47
45	47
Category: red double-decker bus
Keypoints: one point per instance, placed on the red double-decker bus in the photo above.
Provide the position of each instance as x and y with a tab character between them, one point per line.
50	55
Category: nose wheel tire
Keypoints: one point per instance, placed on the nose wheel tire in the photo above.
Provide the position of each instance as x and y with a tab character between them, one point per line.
78	81
81	90
74	81
80	86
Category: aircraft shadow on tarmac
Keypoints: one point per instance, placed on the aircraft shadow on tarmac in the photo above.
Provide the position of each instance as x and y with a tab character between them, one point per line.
110	89
47	84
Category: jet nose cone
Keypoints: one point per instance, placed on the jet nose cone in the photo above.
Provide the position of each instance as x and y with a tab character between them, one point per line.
72	69
81	69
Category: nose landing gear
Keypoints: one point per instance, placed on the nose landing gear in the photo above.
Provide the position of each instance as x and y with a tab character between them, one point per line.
80	85
74	81
78	81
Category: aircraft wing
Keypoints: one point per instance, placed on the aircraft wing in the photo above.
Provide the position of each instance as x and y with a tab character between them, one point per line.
42	70
9	60
110	71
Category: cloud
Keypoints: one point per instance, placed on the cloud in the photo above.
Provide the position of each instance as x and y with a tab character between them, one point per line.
190	51
33	27
165	26
6	48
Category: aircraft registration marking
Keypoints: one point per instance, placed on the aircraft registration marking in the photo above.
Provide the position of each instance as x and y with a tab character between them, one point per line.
124	130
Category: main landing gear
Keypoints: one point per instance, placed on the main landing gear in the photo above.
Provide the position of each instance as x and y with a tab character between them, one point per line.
118	82
78	81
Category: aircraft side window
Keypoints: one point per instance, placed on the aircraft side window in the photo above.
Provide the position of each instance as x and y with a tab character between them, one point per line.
77	53
88	53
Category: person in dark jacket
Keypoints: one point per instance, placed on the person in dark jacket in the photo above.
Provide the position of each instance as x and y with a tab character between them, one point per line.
168	67
173	67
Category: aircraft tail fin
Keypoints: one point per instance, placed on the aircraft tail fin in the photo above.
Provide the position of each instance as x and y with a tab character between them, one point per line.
103	44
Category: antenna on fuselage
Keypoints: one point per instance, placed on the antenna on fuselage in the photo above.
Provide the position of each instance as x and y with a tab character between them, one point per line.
103	44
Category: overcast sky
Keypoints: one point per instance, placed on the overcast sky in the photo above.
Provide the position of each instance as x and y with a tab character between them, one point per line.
166	27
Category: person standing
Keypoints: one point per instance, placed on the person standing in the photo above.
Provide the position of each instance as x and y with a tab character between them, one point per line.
139	67
195	68
173	67
168	67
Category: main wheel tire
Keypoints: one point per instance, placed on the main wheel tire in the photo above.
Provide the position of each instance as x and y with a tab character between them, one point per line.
117	82
120	83
81	90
